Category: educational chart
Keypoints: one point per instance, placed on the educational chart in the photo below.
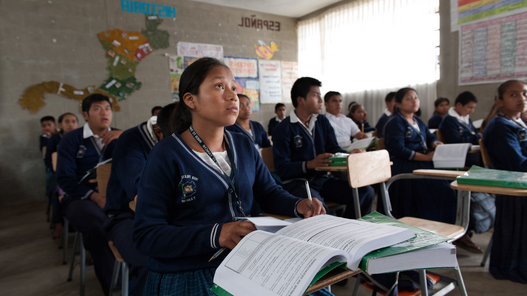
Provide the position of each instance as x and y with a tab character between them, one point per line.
270	82
494	50
176	66
200	50
245	71
124	51
289	76
471	11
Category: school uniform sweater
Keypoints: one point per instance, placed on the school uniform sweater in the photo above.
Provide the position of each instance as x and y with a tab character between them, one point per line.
273	122
294	146
77	155
507	144
455	131
258	137
183	202
43	140
128	159
381	123
53	144
435	121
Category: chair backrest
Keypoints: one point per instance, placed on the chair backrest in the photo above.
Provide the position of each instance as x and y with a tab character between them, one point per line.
375	134
484	154
54	160
439	136
267	156
103	176
368	168
380	143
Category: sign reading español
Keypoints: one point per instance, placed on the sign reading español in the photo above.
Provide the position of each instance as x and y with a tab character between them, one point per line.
148	8
253	22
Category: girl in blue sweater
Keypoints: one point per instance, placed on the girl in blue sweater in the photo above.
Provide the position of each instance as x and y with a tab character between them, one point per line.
197	181
506	140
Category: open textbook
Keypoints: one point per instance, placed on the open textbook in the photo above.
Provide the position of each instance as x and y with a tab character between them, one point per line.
285	263
361	144
450	155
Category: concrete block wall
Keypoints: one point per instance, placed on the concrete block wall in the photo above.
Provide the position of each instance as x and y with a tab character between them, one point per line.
44	40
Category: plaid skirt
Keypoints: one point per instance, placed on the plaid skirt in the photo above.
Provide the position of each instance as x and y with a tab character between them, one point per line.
189	283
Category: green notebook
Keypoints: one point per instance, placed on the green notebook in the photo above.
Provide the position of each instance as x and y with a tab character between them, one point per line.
497	178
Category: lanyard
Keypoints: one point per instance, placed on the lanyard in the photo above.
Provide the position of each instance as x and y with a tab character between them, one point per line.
233	188
501	114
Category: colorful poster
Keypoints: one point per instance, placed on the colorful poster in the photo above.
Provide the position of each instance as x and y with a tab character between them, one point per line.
242	67
270	82
176	66
289	76
200	50
493	51
472	11
250	88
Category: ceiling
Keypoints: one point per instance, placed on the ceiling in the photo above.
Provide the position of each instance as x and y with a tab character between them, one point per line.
290	8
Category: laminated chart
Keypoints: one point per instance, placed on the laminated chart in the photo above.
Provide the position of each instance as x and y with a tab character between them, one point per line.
493	51
473	10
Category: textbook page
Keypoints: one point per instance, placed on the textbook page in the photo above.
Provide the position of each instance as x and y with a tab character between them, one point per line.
269	224
266	264
357	238
360	144
477	124
450	155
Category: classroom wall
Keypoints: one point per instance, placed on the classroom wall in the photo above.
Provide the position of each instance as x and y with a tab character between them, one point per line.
43	40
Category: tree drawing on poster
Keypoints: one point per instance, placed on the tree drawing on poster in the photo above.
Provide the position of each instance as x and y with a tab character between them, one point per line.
245	71
270	82
289	76
124	50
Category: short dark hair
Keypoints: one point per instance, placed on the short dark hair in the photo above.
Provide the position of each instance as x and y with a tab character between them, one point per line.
190	80
399	96
301	87
389	97
89	100
155	109
278	106
465	98
245	96
329	94
165	119
504	86
439	101
47	118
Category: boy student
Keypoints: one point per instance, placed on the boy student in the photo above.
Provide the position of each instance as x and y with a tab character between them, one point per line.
457	126
389	100
441	109
156	110
344	127
80	151
128	160
279	110
305	141
252	129
49	128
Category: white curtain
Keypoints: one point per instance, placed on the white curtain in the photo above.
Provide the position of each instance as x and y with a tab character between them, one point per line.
367	48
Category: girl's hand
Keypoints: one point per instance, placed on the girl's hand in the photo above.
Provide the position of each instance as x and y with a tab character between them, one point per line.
233	232
437	144
304	208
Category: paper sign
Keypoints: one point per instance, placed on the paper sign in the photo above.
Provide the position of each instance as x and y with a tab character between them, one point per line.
289	76
242	67
200	50
270	82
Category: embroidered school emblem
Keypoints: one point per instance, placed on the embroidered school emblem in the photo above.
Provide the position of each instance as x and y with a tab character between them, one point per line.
188	188
81	151
521	135
298	141
409	133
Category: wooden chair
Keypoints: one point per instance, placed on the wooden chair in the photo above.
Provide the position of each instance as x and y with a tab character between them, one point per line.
380	144
485	154
125	274
440	136
103	176
65	229
374	167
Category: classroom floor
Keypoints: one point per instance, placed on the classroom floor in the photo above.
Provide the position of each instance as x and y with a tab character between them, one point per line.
31	262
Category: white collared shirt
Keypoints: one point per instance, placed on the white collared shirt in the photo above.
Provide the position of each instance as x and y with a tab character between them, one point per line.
344	128
462	119
87	132
387	112
150	127
312	120
277	119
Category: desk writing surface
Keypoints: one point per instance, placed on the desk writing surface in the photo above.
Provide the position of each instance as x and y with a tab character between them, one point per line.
334	276
338	168
438	173
489	189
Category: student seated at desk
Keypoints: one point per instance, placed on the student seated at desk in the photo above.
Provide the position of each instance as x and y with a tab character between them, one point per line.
344	127
441	109
505	138
128	159
197	181
360	117
408	140
67	123
49	128
279	109
303	142
80	151
252	129
390	103
156	110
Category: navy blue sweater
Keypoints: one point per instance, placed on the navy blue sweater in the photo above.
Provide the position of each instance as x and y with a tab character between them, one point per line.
183	202
43	141
380	125
128	159
272	124
456	132
259	136
507	145
403	141
76	156
53	144
293	147
435	121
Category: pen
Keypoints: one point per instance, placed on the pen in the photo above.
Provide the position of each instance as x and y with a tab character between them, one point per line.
217	254
362	122
310	198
